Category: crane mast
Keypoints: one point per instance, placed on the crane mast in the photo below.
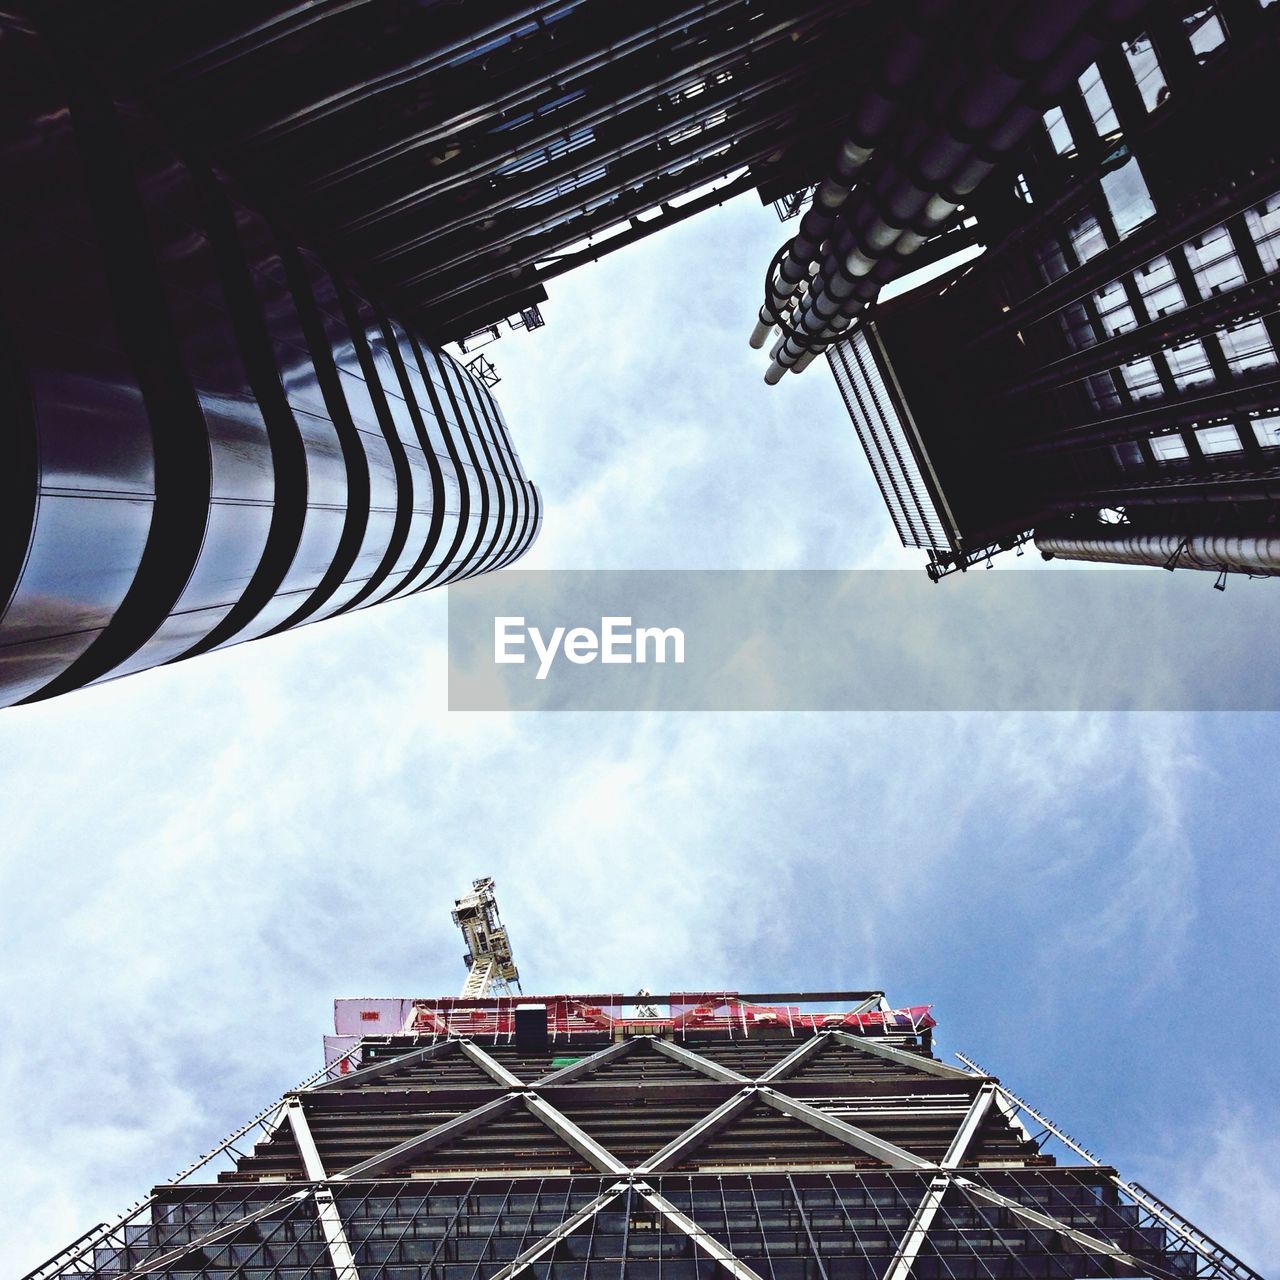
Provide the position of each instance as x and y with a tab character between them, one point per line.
490	968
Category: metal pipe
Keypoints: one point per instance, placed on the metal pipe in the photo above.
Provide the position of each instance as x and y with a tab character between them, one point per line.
877	110
545	178
651	32
1216	552
919	188
581	116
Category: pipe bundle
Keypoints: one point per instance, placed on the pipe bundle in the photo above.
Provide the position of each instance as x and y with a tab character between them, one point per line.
907	167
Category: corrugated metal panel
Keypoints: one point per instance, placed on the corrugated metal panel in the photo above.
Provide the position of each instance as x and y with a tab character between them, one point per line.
883	434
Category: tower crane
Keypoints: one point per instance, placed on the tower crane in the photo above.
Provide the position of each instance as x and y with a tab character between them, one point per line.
491	971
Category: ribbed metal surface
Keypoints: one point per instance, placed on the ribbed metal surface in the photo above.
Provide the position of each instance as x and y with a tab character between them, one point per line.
212	434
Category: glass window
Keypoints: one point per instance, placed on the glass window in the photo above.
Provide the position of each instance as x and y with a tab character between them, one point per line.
1213	260
1051	261
1098	100
1077	326
1141	378
1101	389
1223	439
1023	190
1114	310
1127	197
1247	346
1146	70
1267	430
1205	30
1168	448
1086	236
1128	455
1159	287
1263	221
1189	364
1059	132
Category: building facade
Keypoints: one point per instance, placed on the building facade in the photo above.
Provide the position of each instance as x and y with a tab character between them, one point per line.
1104	377
212	434
689	1136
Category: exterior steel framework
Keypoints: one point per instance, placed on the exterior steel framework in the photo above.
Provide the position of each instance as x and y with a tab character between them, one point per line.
211	435
764	1144
1106	374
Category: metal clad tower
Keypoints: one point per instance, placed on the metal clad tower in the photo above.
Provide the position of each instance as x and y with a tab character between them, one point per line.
1104	378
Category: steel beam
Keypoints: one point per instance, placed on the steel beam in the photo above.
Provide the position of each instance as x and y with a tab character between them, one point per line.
893	1155
491	1066
335	1234
969	1126
216	1236
432	1138
584	1066
1034	1218
917	1230
794	1060
922	1220
904	1059
701	1239
541	1248
678	1053
365	1074
683	1143
582	1142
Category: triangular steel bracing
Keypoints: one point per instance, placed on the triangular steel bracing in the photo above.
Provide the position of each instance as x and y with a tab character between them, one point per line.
461	1161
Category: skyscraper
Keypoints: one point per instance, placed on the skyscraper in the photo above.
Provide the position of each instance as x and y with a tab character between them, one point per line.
211	434
777	1135
1104	377
243	233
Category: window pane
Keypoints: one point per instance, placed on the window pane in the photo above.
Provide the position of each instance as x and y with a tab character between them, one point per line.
1128	455
1086	236
1205	31
1189	364
1102	393
1213	260
1051	261
1098	100
1267	430
1168	448
1059	133
1159	287
1224	439
1247	346
1127	196
1147	73
1141	378
1077	326
1114	310
1263	221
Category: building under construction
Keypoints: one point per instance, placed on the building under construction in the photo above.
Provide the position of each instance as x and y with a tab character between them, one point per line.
770	1136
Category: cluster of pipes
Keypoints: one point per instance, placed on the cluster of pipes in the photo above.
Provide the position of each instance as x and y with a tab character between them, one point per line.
921	139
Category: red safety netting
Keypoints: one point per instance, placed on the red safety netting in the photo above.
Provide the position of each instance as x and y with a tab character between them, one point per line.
577	1017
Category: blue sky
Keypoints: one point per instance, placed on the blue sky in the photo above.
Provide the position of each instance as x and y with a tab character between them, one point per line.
198	859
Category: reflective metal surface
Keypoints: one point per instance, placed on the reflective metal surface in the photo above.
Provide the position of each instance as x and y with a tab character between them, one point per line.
210	436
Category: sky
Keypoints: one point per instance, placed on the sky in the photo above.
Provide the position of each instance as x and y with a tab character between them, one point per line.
198	859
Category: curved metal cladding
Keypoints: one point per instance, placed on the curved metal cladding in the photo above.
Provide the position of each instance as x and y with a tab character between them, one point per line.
211	437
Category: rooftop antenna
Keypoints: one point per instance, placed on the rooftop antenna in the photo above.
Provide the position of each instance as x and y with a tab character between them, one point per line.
490	968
